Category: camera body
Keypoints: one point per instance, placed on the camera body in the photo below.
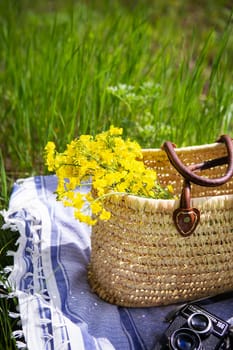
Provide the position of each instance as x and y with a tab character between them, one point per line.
194	328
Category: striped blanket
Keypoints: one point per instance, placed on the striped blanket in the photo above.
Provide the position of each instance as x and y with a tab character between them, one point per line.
57	308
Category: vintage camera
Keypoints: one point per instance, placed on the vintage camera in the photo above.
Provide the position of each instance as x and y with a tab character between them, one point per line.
193	328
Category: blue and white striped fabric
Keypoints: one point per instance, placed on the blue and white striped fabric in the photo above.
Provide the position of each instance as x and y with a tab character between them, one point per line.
57	308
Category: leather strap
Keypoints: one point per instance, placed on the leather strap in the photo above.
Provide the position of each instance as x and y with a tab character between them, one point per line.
188	172
186	218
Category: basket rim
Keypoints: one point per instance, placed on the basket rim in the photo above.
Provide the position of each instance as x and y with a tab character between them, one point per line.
133	201
207	146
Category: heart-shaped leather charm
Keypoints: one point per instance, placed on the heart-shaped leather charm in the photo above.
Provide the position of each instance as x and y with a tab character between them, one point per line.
186	220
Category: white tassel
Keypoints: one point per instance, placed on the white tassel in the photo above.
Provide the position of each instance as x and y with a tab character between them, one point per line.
13	314
8	269
21	345
17	334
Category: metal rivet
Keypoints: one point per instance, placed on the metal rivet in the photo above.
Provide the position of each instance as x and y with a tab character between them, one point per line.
187	219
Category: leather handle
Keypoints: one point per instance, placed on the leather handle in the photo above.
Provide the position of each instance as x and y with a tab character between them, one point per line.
188	172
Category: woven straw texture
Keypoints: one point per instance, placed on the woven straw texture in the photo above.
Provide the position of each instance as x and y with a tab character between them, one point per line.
138	257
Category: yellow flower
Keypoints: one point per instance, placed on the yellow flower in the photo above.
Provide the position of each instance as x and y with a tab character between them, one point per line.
96	207
111	163
170	188
84	218
115	131
122	186
99	183
105	215
50	155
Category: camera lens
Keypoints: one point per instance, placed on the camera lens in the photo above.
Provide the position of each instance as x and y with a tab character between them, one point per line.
200	323
185	339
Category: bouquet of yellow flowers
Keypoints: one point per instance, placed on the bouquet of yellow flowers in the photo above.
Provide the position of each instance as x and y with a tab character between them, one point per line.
112	165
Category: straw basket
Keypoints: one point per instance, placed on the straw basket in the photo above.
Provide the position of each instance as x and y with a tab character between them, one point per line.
156	252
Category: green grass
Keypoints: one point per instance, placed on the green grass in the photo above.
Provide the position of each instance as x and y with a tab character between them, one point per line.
57	66
160	69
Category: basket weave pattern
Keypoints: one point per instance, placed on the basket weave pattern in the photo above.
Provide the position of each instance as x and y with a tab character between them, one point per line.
139	259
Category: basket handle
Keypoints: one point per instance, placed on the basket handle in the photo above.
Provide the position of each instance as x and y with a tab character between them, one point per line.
186	218
188	172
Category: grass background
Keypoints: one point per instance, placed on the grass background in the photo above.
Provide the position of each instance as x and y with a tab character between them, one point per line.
161	69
